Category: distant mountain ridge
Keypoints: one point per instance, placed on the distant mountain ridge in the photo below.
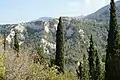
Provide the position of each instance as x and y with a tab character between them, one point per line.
43	19
103	14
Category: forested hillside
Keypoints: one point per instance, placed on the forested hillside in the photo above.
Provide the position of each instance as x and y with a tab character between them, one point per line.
76	32
65	48
103	14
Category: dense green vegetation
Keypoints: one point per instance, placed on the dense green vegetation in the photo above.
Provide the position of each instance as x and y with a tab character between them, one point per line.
112	65
102	15
92	56
59	58
79	53
16	43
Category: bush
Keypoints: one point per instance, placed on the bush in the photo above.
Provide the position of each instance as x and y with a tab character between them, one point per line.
43	72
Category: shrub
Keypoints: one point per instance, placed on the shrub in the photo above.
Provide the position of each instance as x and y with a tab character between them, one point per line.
2	67
43	72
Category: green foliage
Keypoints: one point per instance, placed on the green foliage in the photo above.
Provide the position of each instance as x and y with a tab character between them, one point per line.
16	42
91	58
75	45
102	15
4	42
98	68
85	68
42	72
95	66
112	65
39	55
103	58
59	58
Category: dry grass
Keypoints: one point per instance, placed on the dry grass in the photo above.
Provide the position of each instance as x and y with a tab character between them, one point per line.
2	57
16	67
2	67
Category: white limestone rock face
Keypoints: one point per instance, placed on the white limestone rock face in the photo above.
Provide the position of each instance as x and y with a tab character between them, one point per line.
47	44
81	33
20	28
10	36
55	26
46	27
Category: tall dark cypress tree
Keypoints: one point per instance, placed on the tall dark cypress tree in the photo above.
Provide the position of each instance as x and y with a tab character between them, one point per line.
98	68
85	68
16	43
112	65
91	59
4	40
59	59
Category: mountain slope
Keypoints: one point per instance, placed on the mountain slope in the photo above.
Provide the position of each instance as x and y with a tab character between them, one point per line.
44	19
103	13
77	32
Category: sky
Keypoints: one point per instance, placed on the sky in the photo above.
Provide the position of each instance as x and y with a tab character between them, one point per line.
16	11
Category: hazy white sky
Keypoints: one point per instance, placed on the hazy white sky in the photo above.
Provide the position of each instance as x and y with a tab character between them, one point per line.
14	11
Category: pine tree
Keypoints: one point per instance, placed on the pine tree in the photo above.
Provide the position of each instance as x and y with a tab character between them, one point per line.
112	65
91	59
59	59
16	43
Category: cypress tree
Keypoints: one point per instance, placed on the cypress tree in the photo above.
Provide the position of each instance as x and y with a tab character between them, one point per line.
16	43
98	68
112	65
4	41
85	68
91	59
59	58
